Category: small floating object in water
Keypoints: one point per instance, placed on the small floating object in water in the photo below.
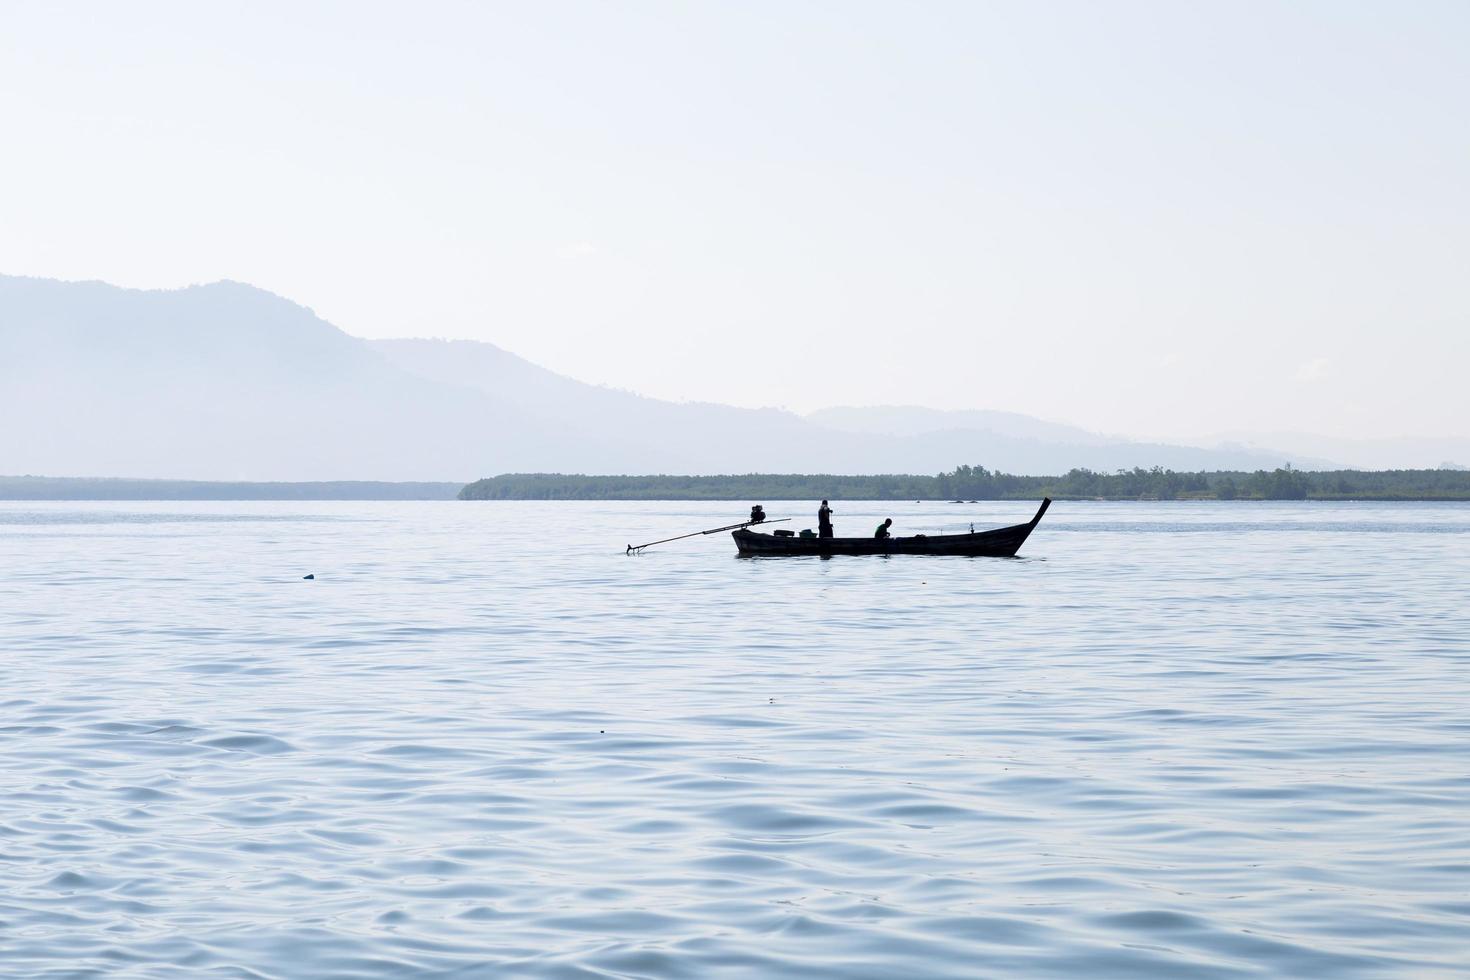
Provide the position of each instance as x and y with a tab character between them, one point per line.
308	577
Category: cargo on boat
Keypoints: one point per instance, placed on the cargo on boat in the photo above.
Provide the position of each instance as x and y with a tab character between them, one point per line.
1002	542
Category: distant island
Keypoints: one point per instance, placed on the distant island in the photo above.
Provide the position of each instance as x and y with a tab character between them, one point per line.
114	488
962	483
978	483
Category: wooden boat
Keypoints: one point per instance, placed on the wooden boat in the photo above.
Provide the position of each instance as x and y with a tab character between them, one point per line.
1002	542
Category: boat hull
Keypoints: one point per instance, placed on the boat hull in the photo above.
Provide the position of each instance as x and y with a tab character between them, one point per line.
1002	542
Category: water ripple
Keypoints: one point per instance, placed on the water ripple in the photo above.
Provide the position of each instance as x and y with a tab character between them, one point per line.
1180	740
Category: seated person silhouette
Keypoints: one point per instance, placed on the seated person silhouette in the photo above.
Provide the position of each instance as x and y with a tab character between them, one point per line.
882	531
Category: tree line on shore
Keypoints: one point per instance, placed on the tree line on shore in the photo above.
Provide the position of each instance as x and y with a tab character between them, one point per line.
979	483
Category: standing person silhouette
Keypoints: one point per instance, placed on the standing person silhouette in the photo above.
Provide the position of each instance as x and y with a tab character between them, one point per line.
824	521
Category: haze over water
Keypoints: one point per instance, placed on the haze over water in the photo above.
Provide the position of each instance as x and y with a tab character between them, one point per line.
1207	740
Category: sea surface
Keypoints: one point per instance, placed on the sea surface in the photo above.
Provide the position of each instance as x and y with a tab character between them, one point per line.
1170	740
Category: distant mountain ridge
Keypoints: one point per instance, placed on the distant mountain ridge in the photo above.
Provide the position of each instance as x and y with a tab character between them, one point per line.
1409	452
229	382
913	420
913	440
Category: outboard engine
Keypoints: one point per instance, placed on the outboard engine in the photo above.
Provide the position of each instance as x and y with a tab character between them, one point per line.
757	514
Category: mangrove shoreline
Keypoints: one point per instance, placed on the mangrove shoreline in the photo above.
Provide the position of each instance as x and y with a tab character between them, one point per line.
978	483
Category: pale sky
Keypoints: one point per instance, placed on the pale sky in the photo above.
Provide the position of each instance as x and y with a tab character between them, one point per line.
1154	219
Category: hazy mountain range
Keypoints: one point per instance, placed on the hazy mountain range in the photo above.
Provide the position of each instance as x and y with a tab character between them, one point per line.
225	381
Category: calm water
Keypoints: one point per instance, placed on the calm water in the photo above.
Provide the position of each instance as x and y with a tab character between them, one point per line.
1183	740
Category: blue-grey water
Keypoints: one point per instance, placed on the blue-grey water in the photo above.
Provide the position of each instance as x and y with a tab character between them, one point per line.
1174	739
